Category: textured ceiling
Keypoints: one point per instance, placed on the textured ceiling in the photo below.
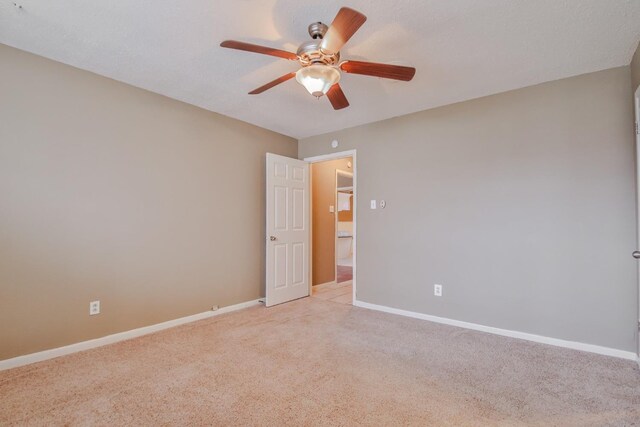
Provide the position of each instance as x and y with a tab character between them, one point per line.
462	49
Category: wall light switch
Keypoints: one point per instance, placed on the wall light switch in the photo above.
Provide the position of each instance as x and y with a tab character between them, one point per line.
332	209
373	204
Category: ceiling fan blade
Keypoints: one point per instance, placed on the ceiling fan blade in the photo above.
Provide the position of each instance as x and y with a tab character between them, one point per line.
233	44
344	25
386	71
337	98
272	84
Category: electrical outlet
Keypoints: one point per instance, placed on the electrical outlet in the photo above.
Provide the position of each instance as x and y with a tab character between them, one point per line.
215	308
437	290
94	308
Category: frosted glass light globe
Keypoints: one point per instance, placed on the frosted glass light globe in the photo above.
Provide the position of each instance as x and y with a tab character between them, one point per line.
317	78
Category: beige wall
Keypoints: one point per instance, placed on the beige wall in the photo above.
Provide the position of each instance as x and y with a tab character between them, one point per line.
521	204
323	181
635	69
108	192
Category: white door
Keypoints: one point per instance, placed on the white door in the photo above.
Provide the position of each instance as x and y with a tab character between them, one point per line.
288	235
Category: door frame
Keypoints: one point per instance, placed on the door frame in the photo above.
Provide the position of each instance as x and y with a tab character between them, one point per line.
636	99
323	158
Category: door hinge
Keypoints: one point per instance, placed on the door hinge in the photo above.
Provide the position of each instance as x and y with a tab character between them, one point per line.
637	130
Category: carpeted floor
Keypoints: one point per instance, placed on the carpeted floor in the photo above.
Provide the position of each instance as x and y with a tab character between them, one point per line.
316	362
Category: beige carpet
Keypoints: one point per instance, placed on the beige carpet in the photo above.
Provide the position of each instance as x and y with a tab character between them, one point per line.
316	362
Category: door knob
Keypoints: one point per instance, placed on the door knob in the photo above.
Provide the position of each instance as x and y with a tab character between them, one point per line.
636	254
273	238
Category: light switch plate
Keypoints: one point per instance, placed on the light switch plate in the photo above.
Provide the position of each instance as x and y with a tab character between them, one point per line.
332	209
373	204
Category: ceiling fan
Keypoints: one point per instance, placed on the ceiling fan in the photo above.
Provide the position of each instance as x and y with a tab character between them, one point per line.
320	59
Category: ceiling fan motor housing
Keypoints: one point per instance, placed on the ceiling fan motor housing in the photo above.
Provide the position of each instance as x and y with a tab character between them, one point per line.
310	53
317	30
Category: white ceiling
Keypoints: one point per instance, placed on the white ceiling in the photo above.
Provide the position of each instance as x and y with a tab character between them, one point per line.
462	49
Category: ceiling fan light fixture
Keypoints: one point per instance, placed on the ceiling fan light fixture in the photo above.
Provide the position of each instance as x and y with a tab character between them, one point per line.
318	78
320	59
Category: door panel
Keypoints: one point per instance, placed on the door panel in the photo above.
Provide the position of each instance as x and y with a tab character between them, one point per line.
287	229
298	264
298	173
298	209
280	208
280	265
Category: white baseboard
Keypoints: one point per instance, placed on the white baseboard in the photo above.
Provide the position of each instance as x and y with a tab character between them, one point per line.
591	348
121	336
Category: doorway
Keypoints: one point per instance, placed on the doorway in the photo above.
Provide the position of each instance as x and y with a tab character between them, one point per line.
333	227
